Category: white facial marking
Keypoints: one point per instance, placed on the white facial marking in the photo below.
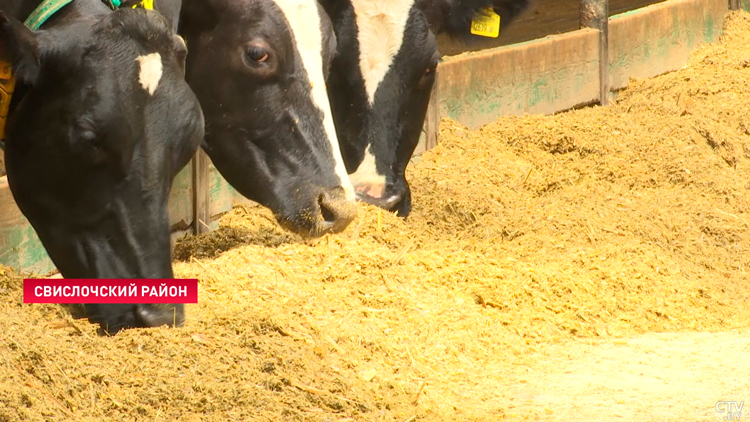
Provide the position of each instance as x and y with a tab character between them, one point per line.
381	25
366	177
151	71
304	20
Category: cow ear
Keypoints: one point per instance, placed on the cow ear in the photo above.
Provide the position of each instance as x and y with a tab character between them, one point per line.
458	14
180	51
20	46
200	15
437	13
169	9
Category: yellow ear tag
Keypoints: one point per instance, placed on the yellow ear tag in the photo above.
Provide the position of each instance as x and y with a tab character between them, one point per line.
146	4
486	24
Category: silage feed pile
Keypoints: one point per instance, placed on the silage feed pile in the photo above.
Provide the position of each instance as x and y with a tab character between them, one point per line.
530	232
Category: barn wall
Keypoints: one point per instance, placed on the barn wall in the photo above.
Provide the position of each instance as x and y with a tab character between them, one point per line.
20	247
222	196
659	38
180	200
559	72
542	76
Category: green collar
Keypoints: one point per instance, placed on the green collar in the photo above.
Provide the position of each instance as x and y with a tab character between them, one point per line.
45	11
41	14
113	4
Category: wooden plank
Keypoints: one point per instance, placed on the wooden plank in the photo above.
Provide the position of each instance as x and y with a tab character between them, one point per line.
180	205
181	200
432	119
20	248
201	215
659	38
428	138
595	14
222	195
542	76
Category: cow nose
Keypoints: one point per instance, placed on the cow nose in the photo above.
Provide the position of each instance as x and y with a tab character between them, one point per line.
158	314
379	195
337	211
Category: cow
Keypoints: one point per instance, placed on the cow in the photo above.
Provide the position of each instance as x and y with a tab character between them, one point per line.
100	123
258	68
381	78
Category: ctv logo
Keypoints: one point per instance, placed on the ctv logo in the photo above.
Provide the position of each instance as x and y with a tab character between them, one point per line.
732	409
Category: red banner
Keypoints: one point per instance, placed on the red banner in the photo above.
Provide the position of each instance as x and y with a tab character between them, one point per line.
110	290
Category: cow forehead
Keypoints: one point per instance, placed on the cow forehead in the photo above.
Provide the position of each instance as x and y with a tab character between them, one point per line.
305	24
304	19
380	26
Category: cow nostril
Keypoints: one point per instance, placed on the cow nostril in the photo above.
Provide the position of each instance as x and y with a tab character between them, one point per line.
336	211
329	216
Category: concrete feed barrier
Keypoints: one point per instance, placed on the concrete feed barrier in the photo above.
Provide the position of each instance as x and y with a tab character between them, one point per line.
559	72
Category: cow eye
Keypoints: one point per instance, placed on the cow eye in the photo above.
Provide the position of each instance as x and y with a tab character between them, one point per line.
257	54
86	131
259	58
88	142
428	76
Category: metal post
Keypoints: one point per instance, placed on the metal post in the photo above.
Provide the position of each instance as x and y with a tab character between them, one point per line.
734	4
595	14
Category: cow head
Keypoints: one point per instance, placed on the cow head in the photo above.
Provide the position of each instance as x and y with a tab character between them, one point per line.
102	121
381	79
258	68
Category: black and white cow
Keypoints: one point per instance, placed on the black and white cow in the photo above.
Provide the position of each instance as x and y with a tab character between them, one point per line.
258	68
380	83
101	122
